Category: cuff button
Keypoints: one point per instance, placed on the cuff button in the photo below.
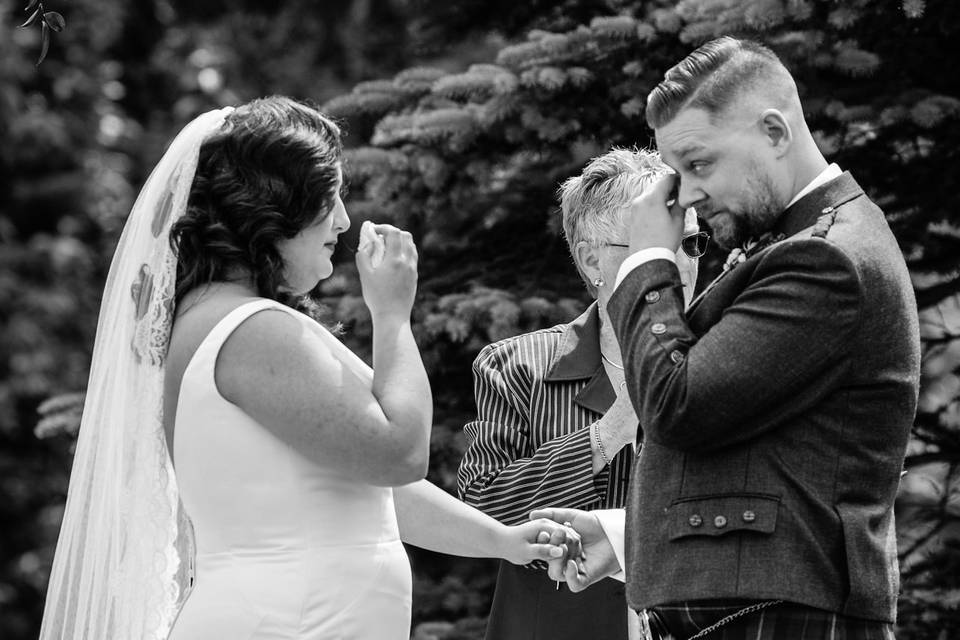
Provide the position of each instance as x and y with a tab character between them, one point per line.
749	516
658	328
720	522
652	296
676	356
695	520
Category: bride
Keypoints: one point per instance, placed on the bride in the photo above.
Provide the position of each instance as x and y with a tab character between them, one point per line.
298	468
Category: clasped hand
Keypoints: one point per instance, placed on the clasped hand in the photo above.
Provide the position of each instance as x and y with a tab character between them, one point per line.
541	539
596	559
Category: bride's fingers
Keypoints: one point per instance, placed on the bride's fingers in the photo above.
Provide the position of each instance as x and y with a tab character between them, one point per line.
547	552
364	259
555	570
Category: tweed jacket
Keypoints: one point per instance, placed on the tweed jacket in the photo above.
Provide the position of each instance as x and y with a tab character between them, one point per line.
537	395
776	413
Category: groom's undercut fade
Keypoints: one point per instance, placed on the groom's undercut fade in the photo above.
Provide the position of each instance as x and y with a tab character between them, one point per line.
715	75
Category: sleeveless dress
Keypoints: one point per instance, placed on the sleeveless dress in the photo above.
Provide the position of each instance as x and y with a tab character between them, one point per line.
286	549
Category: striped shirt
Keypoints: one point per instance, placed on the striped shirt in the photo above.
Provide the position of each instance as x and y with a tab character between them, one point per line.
537	395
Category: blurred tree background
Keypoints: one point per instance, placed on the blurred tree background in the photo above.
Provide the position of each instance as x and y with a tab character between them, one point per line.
462	117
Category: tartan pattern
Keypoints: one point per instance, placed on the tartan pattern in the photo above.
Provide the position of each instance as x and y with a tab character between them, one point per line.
785	621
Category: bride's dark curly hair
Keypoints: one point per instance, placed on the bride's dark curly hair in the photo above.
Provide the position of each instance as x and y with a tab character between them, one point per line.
272	170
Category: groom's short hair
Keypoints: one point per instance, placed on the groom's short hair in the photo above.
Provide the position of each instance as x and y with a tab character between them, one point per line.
715	75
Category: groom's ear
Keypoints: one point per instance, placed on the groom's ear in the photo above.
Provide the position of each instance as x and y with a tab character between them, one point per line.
776	129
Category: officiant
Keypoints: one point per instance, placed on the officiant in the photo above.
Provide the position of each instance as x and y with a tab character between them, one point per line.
554	424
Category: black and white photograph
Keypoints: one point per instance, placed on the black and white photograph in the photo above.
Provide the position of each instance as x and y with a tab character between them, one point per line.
480	320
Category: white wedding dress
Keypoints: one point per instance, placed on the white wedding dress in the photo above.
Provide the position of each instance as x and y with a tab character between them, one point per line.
286	549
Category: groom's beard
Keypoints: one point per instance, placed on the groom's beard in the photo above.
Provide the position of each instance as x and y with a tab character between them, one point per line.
755	216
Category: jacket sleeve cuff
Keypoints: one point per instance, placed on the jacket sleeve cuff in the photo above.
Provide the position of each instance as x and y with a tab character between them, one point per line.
634	260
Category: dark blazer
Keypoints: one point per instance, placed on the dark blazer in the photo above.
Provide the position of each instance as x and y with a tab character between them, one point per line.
776	414
537	395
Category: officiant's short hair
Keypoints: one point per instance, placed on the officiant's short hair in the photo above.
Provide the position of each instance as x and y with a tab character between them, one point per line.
714	75
594	204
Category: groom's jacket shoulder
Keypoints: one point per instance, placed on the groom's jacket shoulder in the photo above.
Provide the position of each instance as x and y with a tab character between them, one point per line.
777	412
789	326
836	230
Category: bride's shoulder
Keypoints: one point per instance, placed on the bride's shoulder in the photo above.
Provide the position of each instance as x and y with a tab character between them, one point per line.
275	352
274	336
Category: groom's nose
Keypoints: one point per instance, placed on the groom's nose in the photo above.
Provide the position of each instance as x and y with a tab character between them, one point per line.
690	194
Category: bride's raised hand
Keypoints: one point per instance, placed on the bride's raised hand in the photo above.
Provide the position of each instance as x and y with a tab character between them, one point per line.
390	286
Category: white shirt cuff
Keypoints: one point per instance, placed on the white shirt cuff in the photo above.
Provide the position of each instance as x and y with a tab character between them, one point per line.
613	521
634	260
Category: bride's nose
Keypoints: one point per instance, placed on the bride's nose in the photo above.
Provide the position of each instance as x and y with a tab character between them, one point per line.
342	221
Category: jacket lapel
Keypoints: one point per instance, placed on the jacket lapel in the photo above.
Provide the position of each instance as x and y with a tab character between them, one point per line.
578	358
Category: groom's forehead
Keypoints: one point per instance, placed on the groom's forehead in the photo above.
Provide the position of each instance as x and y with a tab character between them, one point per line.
690	131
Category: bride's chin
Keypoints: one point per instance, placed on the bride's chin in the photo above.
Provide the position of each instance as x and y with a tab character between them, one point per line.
326	273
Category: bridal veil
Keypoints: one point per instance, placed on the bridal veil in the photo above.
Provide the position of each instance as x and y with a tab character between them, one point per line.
122	563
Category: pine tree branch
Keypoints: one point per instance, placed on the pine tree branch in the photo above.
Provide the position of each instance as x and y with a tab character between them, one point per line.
932	295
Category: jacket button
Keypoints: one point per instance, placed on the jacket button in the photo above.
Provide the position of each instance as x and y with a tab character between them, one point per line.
720	522
676	356
695	520
652	296
658	328
749	516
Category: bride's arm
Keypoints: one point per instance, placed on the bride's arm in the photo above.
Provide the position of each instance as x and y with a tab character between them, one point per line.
431	518
288	379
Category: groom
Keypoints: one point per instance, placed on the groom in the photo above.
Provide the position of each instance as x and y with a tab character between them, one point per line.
776	411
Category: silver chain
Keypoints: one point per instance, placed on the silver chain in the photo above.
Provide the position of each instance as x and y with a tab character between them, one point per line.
733	616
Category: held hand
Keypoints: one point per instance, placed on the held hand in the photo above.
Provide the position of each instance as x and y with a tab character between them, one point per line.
652	223
538	540
389	288
597	560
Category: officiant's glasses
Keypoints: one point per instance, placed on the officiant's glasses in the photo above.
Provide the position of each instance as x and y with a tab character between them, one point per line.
693	244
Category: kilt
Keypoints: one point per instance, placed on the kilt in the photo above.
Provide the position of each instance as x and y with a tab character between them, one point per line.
783	621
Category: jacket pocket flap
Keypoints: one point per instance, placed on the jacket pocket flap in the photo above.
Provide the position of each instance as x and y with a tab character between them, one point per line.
717	515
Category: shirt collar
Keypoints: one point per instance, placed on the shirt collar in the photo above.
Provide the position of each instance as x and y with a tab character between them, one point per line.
831	172
821	200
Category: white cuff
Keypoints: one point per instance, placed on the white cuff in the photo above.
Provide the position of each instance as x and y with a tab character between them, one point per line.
634	260
613	521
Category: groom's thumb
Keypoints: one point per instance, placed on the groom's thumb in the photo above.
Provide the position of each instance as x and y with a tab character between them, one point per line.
557	515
